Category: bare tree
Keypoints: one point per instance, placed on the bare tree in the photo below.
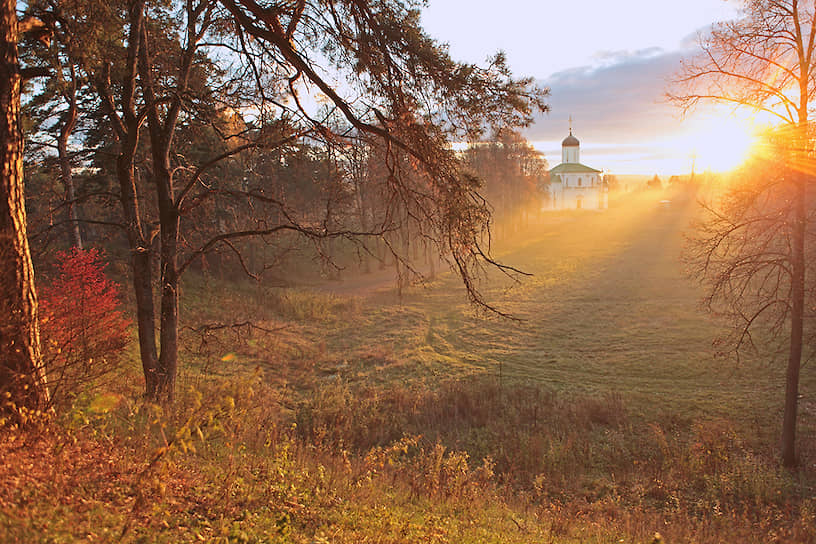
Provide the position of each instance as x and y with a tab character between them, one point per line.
763	61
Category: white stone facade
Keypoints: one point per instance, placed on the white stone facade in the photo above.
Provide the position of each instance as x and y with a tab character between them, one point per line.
578	191
575	186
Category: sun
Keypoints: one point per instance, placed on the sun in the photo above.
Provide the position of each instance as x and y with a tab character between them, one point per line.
719	144
723	147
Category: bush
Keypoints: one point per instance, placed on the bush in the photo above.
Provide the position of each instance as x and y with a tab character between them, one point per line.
82	327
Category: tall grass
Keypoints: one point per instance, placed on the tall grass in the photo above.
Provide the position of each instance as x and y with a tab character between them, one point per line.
470	461
601	418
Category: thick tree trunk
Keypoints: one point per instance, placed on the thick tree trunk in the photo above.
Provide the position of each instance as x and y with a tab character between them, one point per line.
21	372
797	322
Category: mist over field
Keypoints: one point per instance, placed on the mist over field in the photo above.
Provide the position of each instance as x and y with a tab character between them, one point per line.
345	271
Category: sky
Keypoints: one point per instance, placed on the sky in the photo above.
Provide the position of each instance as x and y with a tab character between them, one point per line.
608	65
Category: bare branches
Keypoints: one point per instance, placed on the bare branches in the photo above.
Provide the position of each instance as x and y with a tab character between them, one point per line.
308	232
743	251
763	61
412	97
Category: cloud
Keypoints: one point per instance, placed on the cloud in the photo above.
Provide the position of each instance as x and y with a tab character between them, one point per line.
621	113
622	56
621	100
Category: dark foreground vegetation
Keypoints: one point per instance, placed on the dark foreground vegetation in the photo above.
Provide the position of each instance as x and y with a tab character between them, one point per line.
363	417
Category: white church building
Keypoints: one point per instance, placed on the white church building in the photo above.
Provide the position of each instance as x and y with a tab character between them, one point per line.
574	185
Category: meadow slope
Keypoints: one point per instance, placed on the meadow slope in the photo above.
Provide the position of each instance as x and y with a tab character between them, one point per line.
354	413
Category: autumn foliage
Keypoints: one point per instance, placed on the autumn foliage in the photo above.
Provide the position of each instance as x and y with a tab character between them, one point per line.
82	326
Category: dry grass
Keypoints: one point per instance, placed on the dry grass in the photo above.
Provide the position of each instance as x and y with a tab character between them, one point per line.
472	461
602	417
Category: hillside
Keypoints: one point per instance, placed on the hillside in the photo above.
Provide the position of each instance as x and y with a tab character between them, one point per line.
352	414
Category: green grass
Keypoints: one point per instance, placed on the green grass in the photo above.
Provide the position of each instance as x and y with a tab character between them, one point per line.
608	309
602	416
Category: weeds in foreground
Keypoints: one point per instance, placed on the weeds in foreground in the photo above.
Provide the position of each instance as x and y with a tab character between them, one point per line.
468	462
582	460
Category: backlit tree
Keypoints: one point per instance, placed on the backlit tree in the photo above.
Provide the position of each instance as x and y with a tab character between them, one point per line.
764	61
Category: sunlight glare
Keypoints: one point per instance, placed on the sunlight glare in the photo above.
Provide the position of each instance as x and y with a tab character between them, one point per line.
719	144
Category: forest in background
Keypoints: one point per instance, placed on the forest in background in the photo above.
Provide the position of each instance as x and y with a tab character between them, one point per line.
172	148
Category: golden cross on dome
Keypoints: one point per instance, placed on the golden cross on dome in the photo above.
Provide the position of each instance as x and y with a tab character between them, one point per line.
570	124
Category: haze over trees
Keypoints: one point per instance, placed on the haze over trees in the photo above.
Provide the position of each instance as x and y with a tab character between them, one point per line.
514	176
754	250
197	118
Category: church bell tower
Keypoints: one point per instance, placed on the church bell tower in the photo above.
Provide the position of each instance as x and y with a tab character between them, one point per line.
570	148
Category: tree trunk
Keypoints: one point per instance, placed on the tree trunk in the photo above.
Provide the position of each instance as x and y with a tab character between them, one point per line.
127	128
169	224
430	259
66	176
168	360
362	214
21	372
141	265
161	144
797	323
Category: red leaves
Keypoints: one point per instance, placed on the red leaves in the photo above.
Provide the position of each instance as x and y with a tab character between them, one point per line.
83	329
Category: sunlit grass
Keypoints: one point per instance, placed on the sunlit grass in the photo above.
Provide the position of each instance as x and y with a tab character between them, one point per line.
602	415
608	308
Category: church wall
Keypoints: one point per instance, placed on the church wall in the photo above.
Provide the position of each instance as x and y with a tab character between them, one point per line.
590	198
585	179
566	197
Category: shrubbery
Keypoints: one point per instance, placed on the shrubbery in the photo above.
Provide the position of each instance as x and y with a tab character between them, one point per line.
82	326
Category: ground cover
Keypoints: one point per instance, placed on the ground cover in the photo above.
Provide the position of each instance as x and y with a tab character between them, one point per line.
609	309
357	415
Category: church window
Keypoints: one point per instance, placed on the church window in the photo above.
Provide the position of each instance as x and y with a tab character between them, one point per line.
579	182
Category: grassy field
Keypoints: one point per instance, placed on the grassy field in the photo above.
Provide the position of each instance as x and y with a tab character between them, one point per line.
608	309
352	414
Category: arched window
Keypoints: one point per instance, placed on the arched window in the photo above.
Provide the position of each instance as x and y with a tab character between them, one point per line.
579	182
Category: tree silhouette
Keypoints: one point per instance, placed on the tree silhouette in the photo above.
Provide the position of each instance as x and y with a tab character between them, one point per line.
763	61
